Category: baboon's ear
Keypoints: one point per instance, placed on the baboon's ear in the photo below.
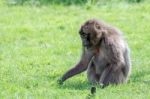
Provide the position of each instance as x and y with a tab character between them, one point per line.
104	32
101	33
97	26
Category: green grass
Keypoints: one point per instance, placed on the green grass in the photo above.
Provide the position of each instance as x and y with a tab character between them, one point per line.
38	44
67	2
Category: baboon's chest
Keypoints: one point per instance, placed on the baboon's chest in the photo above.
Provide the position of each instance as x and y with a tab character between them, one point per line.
99	61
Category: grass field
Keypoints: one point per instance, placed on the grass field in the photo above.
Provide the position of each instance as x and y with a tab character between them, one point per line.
38	44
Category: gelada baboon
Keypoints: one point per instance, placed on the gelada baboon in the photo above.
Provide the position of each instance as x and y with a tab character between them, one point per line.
105	55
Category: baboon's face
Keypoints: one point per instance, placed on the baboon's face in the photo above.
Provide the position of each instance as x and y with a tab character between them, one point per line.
90	34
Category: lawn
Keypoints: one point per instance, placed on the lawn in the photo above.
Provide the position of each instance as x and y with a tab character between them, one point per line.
38	44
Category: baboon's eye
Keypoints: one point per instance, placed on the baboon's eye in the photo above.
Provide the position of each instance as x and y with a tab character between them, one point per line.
86	35
81	33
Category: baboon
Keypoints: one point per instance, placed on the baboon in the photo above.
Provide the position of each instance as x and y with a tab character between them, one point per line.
105	54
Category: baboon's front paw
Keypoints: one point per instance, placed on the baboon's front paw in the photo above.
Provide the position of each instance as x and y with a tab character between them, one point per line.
60	81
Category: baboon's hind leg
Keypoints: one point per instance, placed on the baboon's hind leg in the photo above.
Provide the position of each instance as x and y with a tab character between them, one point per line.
109	76
93	78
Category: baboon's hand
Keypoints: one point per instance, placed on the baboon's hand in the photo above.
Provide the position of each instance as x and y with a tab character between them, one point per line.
60	81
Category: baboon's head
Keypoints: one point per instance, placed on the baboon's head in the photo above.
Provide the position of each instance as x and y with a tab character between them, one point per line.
91	33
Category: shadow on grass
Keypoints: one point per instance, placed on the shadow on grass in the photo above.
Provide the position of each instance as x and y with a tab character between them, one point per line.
76	85
66	2
46	2
136	77
68	84
139	76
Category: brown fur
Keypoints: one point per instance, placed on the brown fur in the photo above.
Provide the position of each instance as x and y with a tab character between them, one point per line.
105	54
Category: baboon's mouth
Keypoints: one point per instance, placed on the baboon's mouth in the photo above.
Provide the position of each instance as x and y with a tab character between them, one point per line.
86	44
